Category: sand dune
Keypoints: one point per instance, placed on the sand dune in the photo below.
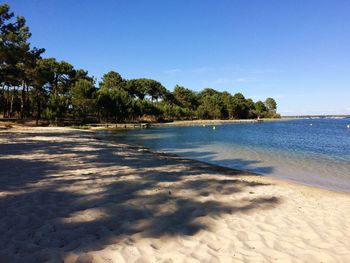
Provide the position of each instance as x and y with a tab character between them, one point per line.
66	196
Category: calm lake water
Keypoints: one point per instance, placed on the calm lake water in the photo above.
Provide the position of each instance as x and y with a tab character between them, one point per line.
310	151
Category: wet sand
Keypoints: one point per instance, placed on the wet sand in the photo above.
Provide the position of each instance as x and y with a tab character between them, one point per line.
66	196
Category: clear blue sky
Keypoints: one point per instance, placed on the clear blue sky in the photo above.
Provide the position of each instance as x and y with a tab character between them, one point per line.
296	51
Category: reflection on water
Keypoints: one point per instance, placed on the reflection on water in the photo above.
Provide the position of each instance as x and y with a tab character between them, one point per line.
317	154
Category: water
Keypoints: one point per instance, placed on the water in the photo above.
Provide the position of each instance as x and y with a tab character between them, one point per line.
310	151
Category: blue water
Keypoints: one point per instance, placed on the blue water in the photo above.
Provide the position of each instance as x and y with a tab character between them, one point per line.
310	151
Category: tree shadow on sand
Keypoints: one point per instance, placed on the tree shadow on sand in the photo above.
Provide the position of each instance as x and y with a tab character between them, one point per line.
82	195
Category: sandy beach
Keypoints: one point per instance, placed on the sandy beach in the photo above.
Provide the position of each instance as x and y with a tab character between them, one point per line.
67	196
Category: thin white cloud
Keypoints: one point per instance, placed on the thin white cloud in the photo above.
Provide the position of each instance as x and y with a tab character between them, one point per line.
232	80
172	71
243	80
207	69
229	70
312	112
265	71
201	70
276	96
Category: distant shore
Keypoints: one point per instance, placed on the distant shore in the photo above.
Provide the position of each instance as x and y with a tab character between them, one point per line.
67	195
4	123
179	123
216	122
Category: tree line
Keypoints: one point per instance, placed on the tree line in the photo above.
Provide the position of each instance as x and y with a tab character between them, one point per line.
44	88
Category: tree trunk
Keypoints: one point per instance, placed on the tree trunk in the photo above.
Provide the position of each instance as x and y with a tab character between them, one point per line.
11	104
27	102
3	98
23	101
38	114
6	110
55	88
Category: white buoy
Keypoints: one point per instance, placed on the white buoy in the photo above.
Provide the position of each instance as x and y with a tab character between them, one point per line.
203	125
310	124
348	126
214	127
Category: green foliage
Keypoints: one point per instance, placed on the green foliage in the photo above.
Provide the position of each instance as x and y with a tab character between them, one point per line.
186	98
122	103
111	80
171	111
82	96
271	104
136	88
56	107
211	105
252	109
112	98
31	85
260	109
142	88
240	106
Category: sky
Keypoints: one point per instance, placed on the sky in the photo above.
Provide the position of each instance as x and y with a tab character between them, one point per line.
295	51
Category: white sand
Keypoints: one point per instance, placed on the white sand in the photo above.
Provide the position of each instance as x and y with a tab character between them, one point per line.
67	197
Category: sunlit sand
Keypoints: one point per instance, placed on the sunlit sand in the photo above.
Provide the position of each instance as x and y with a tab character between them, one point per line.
66	195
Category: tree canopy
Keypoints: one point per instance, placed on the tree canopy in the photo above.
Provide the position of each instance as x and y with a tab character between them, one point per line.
45	88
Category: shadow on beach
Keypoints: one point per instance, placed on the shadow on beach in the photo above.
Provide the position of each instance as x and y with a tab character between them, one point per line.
80	194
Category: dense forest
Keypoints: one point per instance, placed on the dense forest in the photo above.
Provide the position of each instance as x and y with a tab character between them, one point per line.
33	87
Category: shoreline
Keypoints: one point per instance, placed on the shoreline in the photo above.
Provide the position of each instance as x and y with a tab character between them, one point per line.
67	195
211	122
95	130
219	167
188	123
5	124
